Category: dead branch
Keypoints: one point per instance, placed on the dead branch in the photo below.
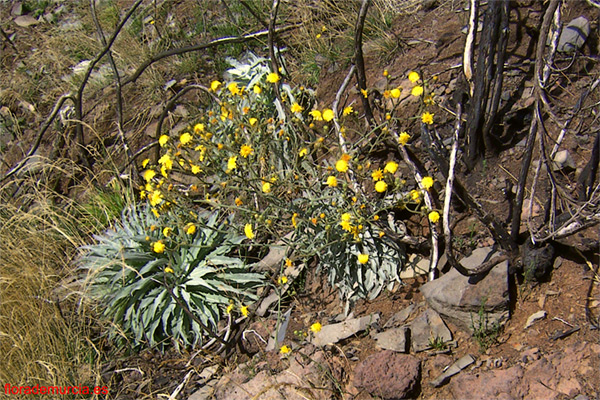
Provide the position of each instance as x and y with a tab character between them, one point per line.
470	43
359	61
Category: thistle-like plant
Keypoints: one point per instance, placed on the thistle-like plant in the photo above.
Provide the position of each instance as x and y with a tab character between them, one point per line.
152	274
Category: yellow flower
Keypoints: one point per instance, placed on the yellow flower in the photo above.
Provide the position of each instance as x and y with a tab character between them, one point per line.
427	182
233	88
232	163
190	229
288	263
169	270
167	231
427	118
285	349
341	165
303	151
381	186
415	195
246	150
244	310
229	308
155	198
162	140
166	161
145	162
238	201
328	114
196	169
332	181
346	217
198	128
282	280
376	217
273	77
185	138
266	187
391	167
316	114
417	91
316	327
253	121
395	93
413	76
248	231
214	85
149	174
434	216
158	247
256	89
365	93
294	220
377	175
296	108
403	139
363	258
348	110
385	73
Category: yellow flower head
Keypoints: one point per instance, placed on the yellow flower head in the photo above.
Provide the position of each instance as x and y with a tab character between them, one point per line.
169	270
214	85
348	110
244	310
427	118
346	217
363	258
395	93
289	263
294	220
256	89
232	163
381	186
427	182
415	195
229	308
296	108
246	150
413	76
328	114
196	169
158	247
190	229
167	231
233	88
403	138
316	327
365	93
185	138
434	216
155	197
273	77
377	175
149	174
253	121
198	128
282	280
266	187
238	201
385	73
341	165
248	231
285	349
303	151
316	114
391	167
332	181
162	140
145	162
417	91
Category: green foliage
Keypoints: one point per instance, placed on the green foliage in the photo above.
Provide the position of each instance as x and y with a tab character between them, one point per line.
484	332
146	288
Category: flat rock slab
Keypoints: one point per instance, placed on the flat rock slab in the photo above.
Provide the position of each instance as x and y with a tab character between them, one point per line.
388	375
335	332
460	298
393	339
426	328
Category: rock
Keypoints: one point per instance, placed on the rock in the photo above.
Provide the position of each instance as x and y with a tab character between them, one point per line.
393	339
454	369
388	375
563	161
460	298
399	318
335	332
426	328
574	35
495	384
17	8
26	20
535	209
533	318
532	354
537	261
413	270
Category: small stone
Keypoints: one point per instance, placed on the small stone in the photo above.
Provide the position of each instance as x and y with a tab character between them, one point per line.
393	339
400	317
563	161
533	318
454	369
335	332
426	328
26	20
574	35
